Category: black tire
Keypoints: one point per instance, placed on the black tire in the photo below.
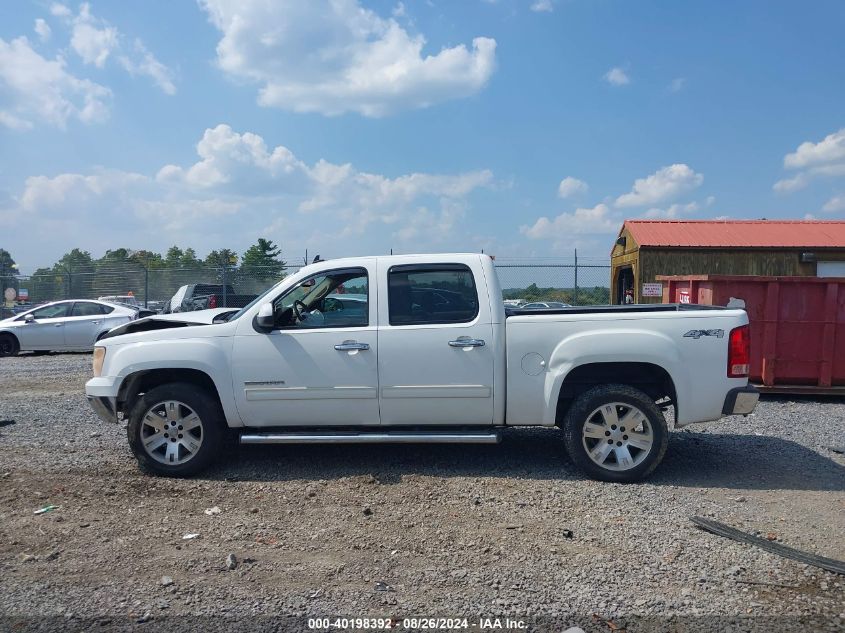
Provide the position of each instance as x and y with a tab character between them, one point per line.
585	408
9	345
212	422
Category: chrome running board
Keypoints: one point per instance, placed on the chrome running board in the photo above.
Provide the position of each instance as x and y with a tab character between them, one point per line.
341	437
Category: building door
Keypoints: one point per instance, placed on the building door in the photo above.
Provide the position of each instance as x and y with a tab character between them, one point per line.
624	282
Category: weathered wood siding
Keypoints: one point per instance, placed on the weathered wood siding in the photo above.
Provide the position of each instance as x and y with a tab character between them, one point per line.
648	262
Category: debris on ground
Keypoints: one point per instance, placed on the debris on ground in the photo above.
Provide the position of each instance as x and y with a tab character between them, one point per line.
720	529
213	511
46	509
189	537
166	581
231	561
383	586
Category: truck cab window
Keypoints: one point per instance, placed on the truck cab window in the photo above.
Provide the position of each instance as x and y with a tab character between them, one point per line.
431	294
335	298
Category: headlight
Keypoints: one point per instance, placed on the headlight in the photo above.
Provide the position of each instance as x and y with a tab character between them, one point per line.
99	358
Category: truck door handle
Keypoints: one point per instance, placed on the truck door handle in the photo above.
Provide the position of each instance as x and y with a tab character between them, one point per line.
58	324
348	346
95	323
465	341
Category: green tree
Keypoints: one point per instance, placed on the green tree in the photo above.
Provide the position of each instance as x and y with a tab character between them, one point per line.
77	270
221	258
119	272
263	260
8	272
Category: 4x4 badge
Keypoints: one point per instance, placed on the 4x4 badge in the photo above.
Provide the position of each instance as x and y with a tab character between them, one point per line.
697	334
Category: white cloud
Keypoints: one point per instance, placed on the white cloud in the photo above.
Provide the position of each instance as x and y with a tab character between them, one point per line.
583	221
836	203
788	185
677	84
40	89
673	212
59	10
829	149
665	184
570	186
803	178
92	39
617	77
336	57
147	64
95	41
42	29
542	6
240	188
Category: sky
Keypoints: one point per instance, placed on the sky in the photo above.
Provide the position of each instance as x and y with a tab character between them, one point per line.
526	128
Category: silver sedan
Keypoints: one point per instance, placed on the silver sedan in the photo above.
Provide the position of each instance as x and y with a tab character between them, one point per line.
71	326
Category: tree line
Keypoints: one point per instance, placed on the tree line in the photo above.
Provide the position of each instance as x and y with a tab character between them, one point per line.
146	274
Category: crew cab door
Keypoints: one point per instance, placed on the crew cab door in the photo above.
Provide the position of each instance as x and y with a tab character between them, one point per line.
436	356
317	370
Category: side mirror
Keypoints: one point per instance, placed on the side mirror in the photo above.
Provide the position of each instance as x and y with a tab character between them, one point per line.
265	319
29	319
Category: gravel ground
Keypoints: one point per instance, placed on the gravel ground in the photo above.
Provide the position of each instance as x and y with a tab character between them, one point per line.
479	531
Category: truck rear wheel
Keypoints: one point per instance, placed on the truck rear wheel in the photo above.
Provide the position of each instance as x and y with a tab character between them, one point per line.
615	433
176	430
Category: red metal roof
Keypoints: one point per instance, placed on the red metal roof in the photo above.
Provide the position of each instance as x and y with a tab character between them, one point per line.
739	233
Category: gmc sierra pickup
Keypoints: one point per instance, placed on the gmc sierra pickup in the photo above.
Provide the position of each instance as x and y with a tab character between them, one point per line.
418	348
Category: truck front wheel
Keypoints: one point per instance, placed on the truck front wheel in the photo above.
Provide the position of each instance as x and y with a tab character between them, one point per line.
615	433
176	430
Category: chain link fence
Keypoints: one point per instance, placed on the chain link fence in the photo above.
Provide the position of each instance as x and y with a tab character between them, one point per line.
575	281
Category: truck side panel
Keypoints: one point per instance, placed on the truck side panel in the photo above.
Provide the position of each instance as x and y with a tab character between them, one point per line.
543	350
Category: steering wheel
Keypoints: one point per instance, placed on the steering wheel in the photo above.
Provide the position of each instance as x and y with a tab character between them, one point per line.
296	309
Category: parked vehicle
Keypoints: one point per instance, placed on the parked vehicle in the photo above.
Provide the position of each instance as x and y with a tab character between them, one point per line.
61	326
156	306
544	305
126	300
194	297
425	352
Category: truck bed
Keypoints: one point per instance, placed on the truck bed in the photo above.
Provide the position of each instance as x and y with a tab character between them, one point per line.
637	308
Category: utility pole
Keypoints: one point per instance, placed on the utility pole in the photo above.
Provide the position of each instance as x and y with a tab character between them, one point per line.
575	292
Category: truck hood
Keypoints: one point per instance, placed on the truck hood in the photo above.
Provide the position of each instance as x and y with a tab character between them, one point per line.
167	321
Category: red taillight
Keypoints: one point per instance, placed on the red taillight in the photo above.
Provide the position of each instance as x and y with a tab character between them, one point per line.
212	301
739	352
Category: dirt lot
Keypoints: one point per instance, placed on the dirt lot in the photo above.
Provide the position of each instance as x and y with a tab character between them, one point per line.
509	530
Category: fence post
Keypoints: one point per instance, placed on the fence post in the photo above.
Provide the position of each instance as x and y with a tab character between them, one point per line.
147	283
225	282
575	291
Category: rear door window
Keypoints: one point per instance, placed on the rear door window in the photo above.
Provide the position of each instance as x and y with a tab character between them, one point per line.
87	308
431	294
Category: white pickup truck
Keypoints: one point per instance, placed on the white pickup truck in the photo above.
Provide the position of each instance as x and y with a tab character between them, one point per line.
418	348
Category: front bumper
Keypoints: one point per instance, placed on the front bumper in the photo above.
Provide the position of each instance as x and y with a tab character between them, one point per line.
104	407
741	401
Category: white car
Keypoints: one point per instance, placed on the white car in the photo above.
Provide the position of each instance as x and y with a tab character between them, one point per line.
422	351
70	326
545	305
126	300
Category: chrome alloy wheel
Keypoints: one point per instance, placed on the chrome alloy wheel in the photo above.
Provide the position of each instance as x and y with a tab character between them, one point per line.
171	432
617	436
